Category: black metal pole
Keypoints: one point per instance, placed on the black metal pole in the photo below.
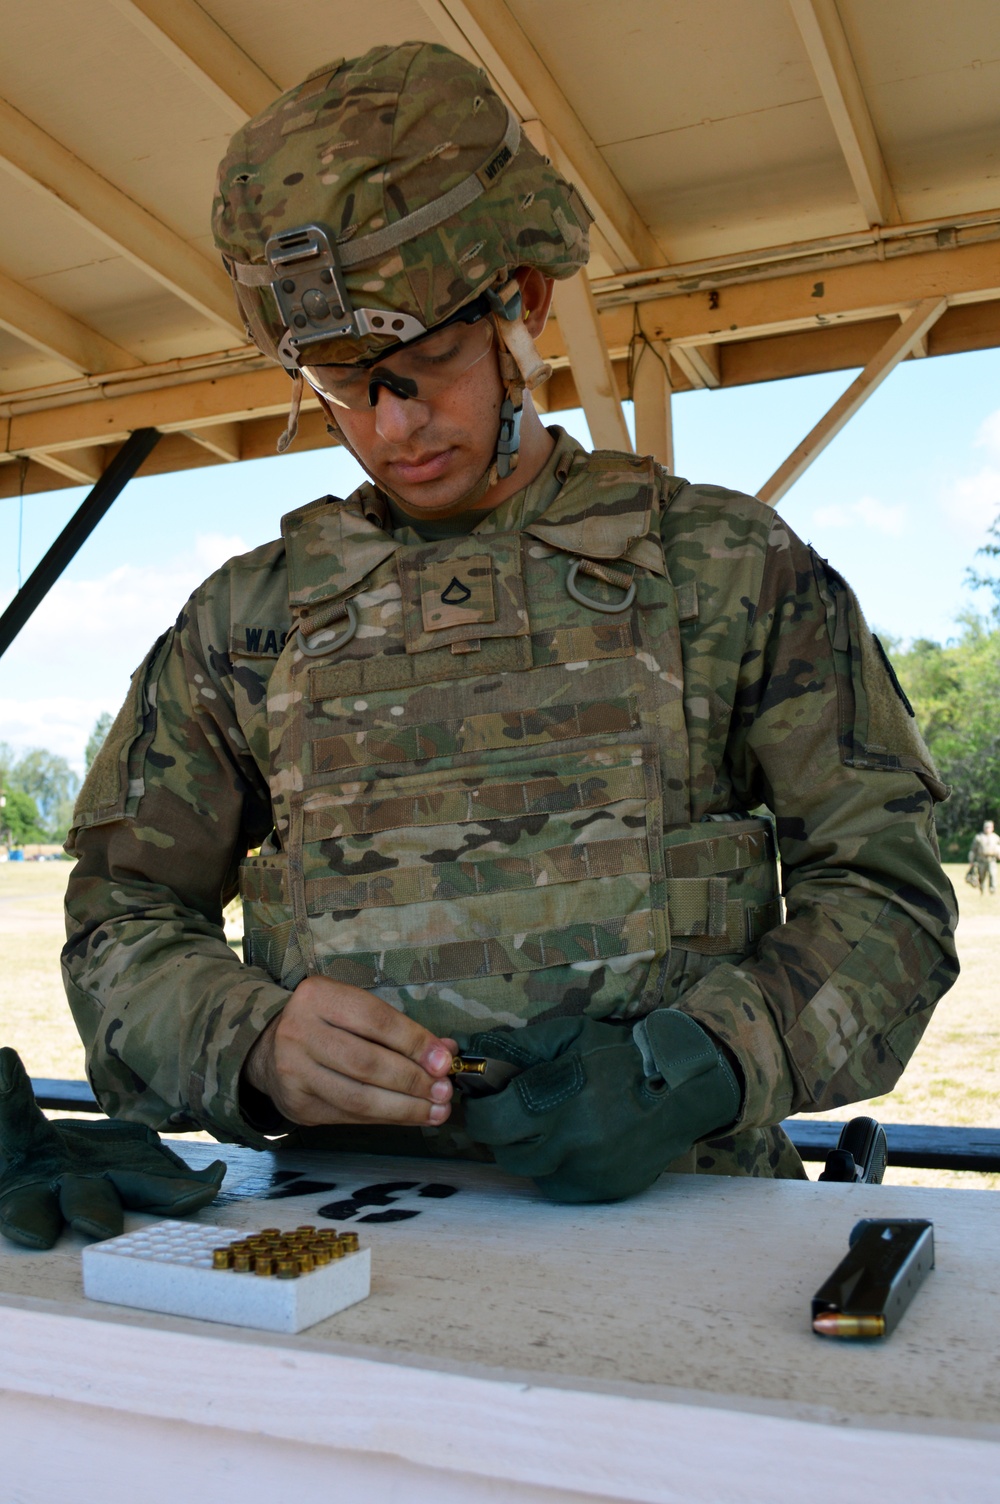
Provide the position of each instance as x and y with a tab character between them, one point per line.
36	587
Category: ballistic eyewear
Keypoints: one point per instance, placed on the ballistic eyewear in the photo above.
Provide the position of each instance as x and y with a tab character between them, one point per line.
421	369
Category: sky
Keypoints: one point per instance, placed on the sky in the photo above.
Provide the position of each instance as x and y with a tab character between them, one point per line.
898	502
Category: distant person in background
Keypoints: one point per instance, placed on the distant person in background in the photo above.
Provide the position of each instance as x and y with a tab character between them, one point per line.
983	854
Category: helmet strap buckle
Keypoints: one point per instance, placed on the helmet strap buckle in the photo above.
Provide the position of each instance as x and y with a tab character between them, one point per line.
508	438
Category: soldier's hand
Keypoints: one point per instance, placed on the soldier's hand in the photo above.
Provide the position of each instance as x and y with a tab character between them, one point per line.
338	1054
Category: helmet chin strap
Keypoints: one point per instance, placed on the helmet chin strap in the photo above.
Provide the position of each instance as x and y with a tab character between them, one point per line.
521	368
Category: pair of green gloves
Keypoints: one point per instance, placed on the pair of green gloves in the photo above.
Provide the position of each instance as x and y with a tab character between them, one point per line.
598	1110
84	1174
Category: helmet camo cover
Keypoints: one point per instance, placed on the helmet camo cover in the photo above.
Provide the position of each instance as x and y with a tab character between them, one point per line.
362	145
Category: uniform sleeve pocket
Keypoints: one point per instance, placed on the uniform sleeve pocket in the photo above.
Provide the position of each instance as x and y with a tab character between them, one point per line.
878	729
114	785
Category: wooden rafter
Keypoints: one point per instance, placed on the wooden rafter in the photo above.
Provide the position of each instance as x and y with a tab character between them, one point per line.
878	368
487	32
220	439
837	75
200	48
81	466
700	364
41	162
49	329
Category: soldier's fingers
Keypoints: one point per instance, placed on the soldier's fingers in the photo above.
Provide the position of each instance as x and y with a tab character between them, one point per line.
364	1014
372	1064
319	1095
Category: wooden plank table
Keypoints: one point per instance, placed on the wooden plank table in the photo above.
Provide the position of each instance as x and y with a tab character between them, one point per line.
657	1350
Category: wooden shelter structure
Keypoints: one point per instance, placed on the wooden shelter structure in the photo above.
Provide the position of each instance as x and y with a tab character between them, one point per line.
780	188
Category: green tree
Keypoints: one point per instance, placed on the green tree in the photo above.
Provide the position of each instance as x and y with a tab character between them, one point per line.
955	691
19	818
97	738
987	580
51	784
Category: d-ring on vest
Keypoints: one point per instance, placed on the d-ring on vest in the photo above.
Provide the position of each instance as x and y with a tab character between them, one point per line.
481	793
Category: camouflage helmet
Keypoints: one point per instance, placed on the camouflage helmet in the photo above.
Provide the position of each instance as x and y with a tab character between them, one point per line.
403	182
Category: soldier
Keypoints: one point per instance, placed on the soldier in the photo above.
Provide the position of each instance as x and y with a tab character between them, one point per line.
983	855
508	734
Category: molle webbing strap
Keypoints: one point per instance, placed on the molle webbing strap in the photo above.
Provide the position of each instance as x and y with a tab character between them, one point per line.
367	816
503	955
411	226
722	888
444	880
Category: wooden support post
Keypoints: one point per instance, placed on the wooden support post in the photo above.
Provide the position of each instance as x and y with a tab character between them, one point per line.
654	429
892	352
590	362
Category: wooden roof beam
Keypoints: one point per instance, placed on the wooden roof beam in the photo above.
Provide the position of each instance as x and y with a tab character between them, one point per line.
41	162
488	34
802	300
878	368
837	75
30	317
184	408
198	46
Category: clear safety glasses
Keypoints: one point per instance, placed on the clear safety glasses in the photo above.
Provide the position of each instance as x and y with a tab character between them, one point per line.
421	369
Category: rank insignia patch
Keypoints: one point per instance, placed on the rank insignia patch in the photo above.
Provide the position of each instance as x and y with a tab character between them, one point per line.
457	592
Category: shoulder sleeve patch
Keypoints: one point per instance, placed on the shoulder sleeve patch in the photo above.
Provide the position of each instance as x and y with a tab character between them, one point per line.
878	730
113	787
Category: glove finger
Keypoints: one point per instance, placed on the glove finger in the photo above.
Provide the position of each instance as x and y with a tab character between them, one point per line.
24	1129
170	1195
31	1216
91	1206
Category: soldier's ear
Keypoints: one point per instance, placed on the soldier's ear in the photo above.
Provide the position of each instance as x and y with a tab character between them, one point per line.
536	297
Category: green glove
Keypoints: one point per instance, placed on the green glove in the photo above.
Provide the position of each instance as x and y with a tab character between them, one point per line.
84	1173
599	1109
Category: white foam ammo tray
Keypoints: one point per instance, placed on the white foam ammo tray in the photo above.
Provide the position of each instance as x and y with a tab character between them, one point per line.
167	1266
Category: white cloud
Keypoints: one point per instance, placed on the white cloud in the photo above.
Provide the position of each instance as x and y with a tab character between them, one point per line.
988	436
89	636
61	725
970	503
973	501
873	515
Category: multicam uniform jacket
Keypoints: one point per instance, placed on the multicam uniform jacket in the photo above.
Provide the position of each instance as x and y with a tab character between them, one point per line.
535	769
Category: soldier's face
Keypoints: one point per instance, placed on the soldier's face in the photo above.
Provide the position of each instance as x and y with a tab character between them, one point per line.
430	453
433	453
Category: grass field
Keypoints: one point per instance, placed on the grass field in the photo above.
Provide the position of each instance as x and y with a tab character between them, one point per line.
954	1077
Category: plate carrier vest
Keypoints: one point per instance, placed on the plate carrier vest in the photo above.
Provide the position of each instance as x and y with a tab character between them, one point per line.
479	769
